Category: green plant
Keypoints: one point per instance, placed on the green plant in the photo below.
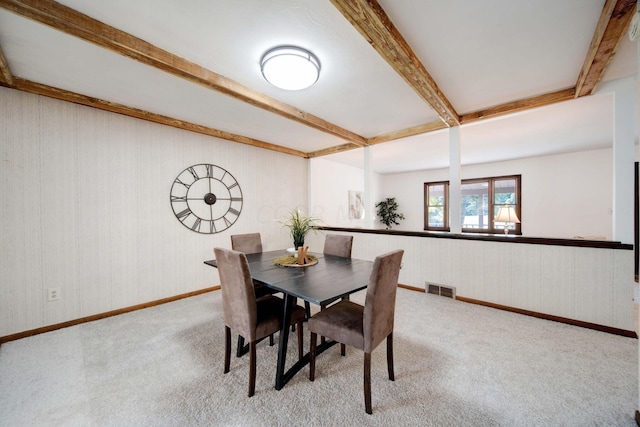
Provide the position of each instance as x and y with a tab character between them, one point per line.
387	212
300	225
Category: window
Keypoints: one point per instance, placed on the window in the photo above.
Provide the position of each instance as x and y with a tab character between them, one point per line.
480	201
436	195
506	193
474	199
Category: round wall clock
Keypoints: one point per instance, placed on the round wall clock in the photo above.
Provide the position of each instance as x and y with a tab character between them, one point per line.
206	198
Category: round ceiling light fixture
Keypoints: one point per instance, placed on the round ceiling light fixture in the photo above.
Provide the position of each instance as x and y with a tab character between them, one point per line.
290	67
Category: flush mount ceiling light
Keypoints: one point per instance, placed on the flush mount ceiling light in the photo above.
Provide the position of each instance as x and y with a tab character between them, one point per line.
290	67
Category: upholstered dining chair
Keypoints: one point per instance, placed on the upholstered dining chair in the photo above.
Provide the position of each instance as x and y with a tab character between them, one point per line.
252	318
363	327
250	243
336	245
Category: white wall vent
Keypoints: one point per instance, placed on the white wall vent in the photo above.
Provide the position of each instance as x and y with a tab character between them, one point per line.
436	289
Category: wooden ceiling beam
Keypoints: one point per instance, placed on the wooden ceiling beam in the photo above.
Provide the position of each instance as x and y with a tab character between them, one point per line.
520	105
72	22
76	98
404	133
332	150
498	110
365	15
614	19
368	17
5	73
391	136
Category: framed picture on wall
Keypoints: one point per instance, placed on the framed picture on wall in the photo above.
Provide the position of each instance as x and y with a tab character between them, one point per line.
356	209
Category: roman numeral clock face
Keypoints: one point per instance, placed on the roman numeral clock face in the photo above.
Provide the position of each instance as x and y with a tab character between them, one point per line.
206	198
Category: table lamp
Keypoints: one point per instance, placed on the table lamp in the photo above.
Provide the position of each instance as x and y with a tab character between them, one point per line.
507	215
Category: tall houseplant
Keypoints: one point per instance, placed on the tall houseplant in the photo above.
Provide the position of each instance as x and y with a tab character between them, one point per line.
299	226
386	210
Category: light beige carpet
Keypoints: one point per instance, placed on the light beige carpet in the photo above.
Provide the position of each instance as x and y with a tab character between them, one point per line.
456	364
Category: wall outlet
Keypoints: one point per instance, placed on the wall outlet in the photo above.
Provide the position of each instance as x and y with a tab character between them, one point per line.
53	294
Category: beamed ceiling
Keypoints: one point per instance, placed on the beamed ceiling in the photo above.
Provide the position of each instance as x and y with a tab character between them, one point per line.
521	78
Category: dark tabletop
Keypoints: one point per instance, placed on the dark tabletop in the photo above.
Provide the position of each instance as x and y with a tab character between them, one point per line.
331	278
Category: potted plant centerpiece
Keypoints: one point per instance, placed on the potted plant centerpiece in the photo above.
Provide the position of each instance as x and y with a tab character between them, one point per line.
299	226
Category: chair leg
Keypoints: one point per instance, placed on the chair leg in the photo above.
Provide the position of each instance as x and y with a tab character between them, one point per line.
240	346
367	383
343	349
312	357
300	340
252	368
227	348
271	342
390	356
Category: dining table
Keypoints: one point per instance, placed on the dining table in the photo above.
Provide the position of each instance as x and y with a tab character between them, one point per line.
329	279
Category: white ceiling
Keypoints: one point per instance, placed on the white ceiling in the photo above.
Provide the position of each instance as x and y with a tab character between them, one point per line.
480	54
582	124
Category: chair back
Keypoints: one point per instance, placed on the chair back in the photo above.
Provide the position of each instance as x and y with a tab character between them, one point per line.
380	302
249	243
338	245
238	296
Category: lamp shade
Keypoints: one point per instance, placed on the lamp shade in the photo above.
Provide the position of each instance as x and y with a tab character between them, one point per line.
290	67
506	214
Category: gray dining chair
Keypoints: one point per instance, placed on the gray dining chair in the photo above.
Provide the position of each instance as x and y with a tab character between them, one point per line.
250	243
338	245
363	327
252	318
335	245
